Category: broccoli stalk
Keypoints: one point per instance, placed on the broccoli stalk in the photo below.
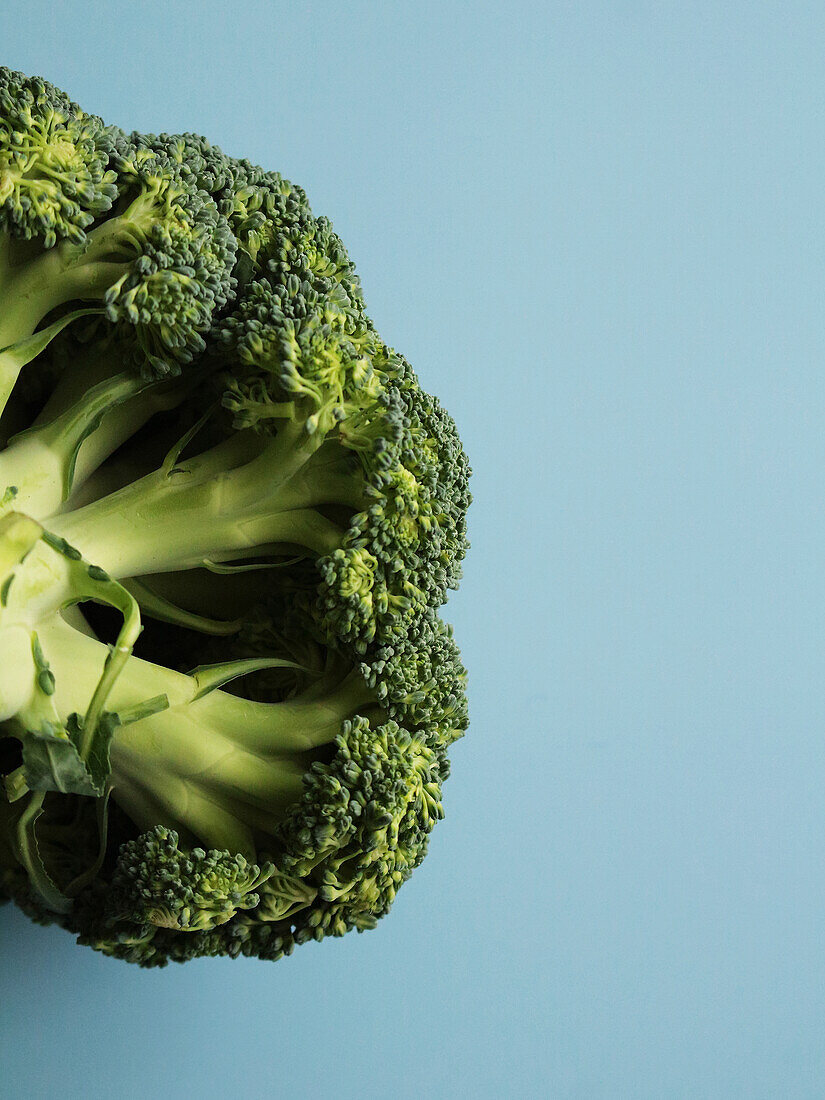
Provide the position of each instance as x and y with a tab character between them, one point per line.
90	415
213	766
32	288
176	518
220	513
232	774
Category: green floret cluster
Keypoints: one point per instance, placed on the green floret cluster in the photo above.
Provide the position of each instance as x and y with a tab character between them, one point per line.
229	517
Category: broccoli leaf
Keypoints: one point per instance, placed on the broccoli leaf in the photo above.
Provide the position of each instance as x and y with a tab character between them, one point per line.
52	760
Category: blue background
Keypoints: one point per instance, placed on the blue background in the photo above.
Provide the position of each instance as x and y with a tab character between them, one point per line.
596	230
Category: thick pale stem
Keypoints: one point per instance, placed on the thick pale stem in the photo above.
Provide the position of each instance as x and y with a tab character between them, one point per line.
77	661
131	537
222	767
294	726
203	509
174	520
36	472
17	671
263	730
52	279
171	801
50	460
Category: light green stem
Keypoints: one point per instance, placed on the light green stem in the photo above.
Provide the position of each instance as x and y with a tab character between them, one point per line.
171	521
49	461
218	765
259	729
16	356
61	274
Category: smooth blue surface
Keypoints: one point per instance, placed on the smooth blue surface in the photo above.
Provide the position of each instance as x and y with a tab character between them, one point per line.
597	231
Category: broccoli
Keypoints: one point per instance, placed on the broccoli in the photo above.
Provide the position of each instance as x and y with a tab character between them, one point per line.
229	516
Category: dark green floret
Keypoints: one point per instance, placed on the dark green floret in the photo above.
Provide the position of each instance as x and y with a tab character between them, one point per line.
229	517
156	885
55	176
93	223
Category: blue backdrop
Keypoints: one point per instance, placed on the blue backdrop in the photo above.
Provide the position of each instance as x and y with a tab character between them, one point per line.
596	231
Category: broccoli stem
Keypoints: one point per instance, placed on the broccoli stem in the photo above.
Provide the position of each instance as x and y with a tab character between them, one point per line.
220	768
17	671
175	519
31	288
135	534
34	287
72	440
89	365
42	463
25	298
297	725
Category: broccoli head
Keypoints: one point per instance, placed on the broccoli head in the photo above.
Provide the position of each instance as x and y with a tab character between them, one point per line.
229	517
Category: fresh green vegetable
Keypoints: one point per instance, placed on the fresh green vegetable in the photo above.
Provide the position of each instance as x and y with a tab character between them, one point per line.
229	515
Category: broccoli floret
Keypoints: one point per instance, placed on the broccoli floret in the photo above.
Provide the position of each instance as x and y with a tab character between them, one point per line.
55	178
91	222
354	838
229	516
157	884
